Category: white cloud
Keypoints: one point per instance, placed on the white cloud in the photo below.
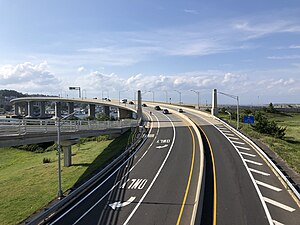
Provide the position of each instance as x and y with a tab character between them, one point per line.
81	69
284	57
191	11
294	46
28	77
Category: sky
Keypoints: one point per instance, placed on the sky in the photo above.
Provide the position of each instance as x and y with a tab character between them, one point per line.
108	48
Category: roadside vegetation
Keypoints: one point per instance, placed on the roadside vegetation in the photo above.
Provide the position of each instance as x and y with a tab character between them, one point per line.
28	179
279	131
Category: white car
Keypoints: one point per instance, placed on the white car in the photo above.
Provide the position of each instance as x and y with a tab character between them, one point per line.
124	100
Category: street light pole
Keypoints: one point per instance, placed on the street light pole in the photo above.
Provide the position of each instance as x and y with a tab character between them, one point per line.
58	123
198	94
59	191
237	107
166	96
179	96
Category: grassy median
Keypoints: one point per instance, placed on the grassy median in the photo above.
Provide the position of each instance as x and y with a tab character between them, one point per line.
287	148
27	184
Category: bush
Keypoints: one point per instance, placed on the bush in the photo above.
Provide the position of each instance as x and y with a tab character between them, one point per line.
46	160
263	125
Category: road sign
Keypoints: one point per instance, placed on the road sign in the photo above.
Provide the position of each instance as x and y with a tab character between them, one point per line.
249	119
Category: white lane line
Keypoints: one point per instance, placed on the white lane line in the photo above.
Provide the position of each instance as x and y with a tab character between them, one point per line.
234	138
237	142
277	223
259	172
264	205
156	175
245	148
96	188
253	162
278	204
248	154
268	186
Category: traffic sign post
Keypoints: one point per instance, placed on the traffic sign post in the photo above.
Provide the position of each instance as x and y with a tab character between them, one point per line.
249	119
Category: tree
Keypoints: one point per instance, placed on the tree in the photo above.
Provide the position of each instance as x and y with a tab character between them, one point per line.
263	125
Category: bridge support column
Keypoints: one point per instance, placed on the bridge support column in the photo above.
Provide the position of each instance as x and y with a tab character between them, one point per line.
42	109
106	110
91	112
139	103
214	105
57	110
70	107
124	114
17	109
29	109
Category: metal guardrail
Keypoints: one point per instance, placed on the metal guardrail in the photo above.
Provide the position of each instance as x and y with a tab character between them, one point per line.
44	217
18	127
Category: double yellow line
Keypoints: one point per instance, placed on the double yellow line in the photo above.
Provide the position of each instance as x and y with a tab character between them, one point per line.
190	178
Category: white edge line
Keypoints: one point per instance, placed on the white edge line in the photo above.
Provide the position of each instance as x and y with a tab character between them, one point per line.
81	200
264	155
156	175
264	205
277	223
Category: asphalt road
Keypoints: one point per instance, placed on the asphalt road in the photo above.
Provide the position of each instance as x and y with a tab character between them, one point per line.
247	189
157	185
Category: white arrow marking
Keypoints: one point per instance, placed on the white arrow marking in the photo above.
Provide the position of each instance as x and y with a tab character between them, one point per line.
119	204
162	146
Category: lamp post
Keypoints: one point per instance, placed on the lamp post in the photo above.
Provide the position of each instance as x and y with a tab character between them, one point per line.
237	107
84	90
120	95
166	96
58	124
76	88
198	94
179	92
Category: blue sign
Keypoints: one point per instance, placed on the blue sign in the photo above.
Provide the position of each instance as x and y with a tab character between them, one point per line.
249	119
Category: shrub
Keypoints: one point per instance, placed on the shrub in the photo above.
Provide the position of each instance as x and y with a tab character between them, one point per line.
46	160
263	125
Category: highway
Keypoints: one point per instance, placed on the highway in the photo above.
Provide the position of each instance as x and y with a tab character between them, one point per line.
247	190
158	184
161	182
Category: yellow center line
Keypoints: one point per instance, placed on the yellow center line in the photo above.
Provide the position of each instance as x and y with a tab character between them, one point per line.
189	180
215	178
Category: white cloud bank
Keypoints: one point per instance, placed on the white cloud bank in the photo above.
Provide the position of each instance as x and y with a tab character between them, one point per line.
36	78
28	77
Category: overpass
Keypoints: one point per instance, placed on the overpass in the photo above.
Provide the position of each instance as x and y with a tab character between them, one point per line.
33	129
25	107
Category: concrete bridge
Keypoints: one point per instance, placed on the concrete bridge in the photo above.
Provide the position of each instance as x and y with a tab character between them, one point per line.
14	132
25	107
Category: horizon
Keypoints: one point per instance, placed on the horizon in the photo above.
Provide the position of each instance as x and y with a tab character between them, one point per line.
251	50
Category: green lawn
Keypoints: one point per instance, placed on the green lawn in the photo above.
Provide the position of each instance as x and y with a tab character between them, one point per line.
26	184
288	148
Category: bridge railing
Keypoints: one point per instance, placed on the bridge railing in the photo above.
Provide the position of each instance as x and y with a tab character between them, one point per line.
26	126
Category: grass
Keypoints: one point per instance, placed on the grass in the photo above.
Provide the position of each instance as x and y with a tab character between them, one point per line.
27	184
289	147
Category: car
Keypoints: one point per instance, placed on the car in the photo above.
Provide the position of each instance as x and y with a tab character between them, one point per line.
157	107
131	103
144	105
123	100
165	111
180	110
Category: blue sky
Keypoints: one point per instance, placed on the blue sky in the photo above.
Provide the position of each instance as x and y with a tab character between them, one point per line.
249	49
